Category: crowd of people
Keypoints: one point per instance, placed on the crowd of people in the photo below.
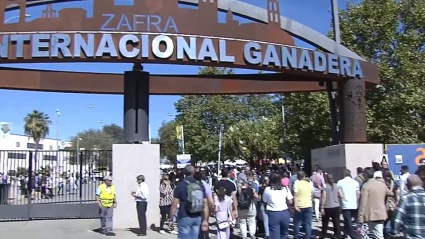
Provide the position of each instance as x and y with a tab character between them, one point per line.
42	185
262	203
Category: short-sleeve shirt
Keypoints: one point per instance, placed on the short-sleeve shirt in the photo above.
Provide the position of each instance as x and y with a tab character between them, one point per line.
208	191
303	190
332	199
227	184
350	189
276	200
180	192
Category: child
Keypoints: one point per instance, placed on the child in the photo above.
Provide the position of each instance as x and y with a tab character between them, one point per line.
223	215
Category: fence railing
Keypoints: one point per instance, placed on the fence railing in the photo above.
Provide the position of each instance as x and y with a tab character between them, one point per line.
51	176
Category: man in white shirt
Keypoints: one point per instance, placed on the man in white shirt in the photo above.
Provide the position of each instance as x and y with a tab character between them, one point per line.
349	203
403	180
142	196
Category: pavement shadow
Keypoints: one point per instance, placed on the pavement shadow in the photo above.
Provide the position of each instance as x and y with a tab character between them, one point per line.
134	230
97	230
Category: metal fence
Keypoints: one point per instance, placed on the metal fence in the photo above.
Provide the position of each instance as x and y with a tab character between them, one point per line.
51	184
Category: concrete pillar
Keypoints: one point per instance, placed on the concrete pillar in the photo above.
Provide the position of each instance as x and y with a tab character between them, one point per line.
130	161
335	159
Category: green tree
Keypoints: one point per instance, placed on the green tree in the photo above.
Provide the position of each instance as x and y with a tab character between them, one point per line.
307	123
98	139
202	115
37	127
391	34
253	139
168	141
95	142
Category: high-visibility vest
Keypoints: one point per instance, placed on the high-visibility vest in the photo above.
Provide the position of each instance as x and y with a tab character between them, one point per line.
107	198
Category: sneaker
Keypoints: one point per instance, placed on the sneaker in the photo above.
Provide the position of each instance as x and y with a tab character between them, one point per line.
110	234
174	232
162	232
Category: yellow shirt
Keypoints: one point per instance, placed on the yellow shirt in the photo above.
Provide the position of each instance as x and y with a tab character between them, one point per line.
303	191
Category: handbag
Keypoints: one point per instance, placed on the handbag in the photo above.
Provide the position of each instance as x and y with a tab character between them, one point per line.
290	207
225	224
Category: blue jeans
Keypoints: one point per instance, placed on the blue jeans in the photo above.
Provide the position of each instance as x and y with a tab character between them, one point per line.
175	215
265	219
304	217
279	224
189	227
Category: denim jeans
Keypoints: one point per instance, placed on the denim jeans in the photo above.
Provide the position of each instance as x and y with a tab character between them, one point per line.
303	217
279	224
265	219
189	227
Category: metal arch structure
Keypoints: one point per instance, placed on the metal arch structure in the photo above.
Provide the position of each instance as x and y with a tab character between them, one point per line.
253	12
187	36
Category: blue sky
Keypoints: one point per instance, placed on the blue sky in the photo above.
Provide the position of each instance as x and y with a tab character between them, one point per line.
77	116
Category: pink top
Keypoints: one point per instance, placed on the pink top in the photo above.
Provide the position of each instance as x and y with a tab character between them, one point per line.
318	183
285	182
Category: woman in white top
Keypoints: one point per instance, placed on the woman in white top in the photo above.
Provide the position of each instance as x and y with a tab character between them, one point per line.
276	197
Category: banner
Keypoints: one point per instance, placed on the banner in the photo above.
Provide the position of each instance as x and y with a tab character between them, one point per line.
183	160
180	138
179	132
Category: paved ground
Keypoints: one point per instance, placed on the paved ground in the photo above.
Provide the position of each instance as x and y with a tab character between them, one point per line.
71	229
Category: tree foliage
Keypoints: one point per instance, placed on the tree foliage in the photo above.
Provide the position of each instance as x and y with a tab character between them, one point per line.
168	141
98	139
37	126
202	115
391	34
253	139
307	123
96	143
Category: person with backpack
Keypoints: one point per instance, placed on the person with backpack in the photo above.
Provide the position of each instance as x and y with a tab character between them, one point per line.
193	213
247	210
360	178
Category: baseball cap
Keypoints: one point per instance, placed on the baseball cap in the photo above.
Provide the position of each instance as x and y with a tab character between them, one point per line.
107	178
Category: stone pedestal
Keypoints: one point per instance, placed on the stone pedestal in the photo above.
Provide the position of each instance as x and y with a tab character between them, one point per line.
129	161
335	159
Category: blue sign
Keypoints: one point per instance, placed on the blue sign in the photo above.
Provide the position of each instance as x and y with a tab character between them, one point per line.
411	155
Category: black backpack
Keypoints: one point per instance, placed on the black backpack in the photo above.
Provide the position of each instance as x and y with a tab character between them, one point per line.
244	199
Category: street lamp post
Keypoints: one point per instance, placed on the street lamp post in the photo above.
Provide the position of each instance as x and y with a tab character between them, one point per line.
57	128
15	17
78	147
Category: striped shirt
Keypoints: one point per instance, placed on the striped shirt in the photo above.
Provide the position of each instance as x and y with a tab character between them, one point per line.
409	218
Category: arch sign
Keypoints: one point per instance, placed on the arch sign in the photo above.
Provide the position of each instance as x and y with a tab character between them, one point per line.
165	31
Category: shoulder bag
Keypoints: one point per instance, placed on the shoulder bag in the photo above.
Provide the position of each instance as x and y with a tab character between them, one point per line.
225	224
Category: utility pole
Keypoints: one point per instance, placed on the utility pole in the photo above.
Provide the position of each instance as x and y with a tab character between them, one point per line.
220	138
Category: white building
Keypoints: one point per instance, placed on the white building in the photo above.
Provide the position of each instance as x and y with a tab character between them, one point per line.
15	152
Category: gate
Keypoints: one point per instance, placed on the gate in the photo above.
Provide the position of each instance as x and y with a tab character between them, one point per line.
51	184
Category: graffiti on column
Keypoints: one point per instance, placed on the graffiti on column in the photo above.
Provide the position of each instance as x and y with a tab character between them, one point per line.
357	96
356	103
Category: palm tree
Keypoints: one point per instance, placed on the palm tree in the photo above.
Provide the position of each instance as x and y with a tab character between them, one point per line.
37	127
